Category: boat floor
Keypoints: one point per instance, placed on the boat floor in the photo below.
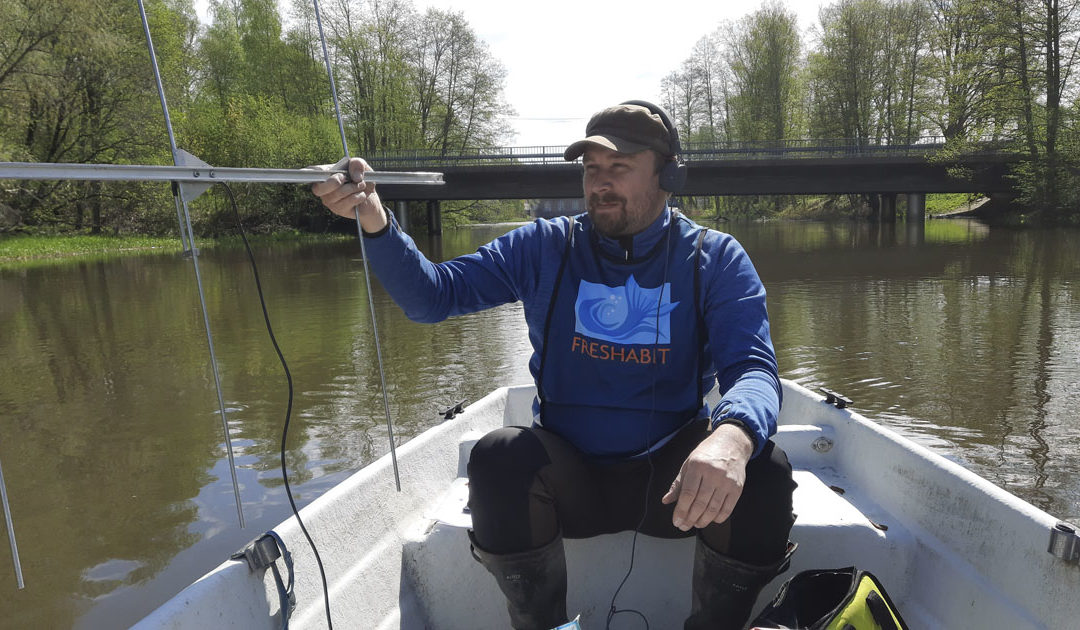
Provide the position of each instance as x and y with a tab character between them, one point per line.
444	587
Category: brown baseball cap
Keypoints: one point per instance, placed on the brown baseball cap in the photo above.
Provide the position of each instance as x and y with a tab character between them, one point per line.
623	128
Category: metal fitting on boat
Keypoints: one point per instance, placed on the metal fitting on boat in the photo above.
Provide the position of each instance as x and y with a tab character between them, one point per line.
835	398
822	444
1065	543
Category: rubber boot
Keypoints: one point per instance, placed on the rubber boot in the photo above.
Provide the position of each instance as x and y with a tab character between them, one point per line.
725	589
534	583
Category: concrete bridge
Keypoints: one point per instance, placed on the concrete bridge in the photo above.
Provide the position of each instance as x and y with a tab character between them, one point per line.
790	167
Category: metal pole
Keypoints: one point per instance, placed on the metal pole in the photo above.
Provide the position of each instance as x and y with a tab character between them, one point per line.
363	253
195	262
11	531
198	174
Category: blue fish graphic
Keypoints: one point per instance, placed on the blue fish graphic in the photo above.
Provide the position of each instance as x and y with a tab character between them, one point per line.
624	313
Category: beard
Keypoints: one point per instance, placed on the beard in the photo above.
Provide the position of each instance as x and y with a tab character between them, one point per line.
627	218
610	224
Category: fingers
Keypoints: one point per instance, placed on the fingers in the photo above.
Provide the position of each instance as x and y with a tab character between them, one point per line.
343	195
332	183
673	491
689	503
357	168
703	494
705	506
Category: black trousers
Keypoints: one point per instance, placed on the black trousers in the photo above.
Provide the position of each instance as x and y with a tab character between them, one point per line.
527	485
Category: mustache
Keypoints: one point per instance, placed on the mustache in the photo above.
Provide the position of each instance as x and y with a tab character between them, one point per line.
595	199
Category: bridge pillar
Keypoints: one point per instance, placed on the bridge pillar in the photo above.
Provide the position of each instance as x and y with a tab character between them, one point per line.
434	217
887	208
916	207
402	213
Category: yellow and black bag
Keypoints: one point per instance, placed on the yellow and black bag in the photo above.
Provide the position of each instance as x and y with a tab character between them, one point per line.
832	599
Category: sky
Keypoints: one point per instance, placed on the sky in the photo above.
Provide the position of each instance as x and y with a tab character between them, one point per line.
567	59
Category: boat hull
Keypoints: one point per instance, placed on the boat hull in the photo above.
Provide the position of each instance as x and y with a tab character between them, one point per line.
953	550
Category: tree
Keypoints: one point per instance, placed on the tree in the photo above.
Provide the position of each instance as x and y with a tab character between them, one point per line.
764	52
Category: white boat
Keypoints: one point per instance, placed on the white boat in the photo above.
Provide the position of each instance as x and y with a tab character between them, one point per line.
952	549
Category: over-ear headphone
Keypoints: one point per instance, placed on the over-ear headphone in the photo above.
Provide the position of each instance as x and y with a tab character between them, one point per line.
673	174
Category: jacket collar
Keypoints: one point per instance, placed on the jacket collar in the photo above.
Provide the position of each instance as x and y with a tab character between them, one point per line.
636	247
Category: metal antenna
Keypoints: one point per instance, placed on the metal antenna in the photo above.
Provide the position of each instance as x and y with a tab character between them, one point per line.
363	252
11	532
186	233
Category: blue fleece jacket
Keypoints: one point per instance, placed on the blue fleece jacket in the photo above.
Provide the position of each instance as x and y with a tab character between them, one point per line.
623	343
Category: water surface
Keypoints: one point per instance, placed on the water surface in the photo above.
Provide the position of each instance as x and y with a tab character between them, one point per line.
963	338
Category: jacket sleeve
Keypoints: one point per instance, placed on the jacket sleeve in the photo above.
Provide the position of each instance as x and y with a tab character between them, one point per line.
739	342
502	271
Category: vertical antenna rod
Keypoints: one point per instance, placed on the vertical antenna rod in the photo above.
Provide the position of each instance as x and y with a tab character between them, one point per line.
363	252
187	233
11	532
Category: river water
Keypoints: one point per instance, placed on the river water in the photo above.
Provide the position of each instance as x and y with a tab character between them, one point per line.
964	338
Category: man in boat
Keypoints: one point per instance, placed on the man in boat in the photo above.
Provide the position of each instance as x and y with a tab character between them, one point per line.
634	313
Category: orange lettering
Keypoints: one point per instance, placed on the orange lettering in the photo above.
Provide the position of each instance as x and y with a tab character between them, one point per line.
631	357
663	354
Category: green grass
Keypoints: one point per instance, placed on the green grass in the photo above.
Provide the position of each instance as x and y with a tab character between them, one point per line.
937	203
22	248
20	251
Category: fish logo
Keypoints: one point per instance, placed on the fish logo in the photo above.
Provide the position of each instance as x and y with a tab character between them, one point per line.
626	314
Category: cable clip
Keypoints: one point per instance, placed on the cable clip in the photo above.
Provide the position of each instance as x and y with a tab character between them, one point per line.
834	398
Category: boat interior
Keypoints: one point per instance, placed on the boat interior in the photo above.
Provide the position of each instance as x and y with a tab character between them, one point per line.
951	549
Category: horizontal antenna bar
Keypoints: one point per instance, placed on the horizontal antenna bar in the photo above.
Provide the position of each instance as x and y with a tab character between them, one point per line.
200	174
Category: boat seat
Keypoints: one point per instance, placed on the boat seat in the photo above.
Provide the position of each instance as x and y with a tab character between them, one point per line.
438	566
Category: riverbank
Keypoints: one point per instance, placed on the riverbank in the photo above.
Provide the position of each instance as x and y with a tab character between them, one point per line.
23	249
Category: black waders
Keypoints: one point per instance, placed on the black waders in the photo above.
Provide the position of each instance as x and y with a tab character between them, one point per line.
534	583
725	589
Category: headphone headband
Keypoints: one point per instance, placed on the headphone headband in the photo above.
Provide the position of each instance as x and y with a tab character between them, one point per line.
673	174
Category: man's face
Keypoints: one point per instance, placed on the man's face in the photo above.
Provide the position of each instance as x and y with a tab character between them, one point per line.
622	190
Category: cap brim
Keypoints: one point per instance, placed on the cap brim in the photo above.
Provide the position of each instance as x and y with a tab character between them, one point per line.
574	151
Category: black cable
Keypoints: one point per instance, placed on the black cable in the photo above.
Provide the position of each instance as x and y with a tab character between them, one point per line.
612	610
288	409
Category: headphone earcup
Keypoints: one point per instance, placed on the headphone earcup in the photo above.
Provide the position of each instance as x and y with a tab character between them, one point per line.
673	177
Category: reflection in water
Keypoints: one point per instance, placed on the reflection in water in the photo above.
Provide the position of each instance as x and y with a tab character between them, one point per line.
964	338
967	340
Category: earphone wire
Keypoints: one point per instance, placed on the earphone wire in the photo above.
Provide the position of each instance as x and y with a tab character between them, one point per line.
612	609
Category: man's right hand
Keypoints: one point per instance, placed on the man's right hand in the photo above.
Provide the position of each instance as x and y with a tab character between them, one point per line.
352	197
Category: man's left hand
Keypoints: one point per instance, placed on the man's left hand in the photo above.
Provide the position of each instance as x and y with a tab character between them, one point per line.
711	479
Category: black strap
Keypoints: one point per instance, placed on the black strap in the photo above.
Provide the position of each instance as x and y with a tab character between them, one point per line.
263	553
701	330
879	610
550	311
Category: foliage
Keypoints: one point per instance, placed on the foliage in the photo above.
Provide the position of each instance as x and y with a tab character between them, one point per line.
248	89
890	72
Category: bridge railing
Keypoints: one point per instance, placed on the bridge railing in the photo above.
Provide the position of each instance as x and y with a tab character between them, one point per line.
470	156
692	152
809	148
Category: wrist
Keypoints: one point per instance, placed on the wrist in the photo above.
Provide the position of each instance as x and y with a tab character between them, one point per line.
376	223
735	428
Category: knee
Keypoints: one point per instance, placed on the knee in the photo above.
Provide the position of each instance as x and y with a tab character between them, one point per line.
770	472
509	452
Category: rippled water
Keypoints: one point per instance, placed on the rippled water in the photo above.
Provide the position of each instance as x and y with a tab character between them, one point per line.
963	338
